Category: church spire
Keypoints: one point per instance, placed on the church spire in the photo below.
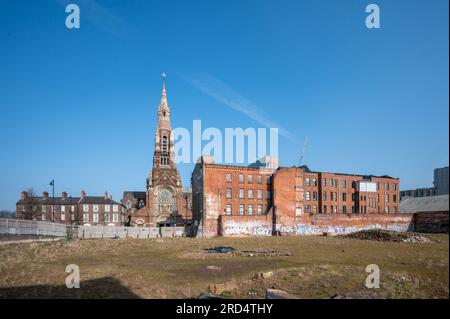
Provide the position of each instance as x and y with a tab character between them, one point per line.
163	95
163	109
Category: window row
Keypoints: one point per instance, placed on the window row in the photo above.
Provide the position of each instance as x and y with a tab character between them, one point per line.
259	179
96	218
333	209
387	209
243	211
333	196
96	207
331	182
63	208
62	217
334	183
250	194
165	161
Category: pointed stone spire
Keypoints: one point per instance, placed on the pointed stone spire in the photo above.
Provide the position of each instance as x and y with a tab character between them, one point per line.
163	109
163	95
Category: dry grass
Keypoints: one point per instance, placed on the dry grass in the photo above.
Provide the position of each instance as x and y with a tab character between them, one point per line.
178	268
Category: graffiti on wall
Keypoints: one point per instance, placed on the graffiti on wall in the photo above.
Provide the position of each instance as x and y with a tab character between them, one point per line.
330	225
308	229
286	229
247	230
261	231
236	230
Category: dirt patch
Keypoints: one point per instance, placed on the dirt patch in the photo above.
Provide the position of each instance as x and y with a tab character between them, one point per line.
320	267
218	252
390	236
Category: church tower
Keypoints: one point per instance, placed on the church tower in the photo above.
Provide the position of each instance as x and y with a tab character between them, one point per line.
164	189
165	202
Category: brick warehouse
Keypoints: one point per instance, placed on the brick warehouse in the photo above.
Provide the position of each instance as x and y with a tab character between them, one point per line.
265	199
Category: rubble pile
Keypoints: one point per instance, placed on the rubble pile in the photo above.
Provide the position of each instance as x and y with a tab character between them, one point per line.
387	235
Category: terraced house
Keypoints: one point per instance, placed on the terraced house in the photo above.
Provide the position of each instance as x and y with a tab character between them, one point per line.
84	210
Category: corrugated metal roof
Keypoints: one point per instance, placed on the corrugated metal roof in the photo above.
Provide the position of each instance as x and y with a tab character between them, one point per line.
424	204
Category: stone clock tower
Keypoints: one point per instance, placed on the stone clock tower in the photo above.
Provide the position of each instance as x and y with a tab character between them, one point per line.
166	202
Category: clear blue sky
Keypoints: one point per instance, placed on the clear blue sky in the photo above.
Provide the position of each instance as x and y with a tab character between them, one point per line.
80	106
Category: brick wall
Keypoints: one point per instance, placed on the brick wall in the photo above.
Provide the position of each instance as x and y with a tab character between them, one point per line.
431	222
336	224
314	224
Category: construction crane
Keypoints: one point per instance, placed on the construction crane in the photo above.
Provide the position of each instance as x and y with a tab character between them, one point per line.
305	145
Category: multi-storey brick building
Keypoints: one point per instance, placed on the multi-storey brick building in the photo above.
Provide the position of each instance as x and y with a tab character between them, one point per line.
229	190
83	210
349	193
276	196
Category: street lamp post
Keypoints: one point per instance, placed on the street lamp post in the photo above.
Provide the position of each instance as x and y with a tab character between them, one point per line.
52	183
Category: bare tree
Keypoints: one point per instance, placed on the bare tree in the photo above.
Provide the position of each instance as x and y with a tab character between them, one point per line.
31	206
7	214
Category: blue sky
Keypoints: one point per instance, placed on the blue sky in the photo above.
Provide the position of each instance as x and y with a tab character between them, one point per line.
80	105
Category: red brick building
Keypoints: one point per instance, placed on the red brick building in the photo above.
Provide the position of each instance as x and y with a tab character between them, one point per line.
83	210
349	193
279	198
228	190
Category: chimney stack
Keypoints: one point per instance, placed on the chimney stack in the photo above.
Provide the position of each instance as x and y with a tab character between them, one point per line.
23	195
106	195
64	195
83	194
45	195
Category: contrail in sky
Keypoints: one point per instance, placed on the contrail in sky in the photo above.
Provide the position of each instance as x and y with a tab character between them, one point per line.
226	95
